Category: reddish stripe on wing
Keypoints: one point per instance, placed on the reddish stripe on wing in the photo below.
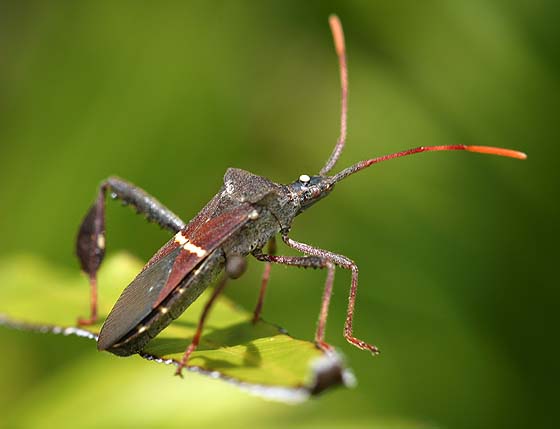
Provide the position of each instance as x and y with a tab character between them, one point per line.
200	243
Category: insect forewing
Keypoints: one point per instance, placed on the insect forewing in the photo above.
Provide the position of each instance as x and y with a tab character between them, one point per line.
163	274
136	301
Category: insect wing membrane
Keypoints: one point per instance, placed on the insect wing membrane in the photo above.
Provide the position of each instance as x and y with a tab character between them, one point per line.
136	301
161	277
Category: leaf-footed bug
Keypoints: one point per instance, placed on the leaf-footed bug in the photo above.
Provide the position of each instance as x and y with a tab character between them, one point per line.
241	219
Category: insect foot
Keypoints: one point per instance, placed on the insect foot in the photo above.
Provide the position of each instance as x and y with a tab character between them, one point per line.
363	345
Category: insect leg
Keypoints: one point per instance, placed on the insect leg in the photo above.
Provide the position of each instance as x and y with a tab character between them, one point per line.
264	281
322	322
90	244
143	202
310	262
196	339
348	264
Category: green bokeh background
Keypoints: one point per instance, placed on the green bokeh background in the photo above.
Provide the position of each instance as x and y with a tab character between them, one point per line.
456	251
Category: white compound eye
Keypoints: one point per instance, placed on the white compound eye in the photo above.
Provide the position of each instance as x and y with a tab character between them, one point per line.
304	178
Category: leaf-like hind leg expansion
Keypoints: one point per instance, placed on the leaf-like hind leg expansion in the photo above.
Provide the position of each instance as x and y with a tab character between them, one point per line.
90	244
348	264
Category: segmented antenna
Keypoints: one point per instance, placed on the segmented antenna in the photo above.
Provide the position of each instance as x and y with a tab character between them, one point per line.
480	149
338	37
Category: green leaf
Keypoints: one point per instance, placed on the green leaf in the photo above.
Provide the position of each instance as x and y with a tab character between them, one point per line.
260	358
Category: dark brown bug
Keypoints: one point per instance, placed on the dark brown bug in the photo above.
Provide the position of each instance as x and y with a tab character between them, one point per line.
241	219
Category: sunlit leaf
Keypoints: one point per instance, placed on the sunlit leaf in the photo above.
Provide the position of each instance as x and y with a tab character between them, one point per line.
261	358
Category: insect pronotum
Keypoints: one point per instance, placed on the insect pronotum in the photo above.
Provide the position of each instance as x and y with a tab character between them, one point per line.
246	214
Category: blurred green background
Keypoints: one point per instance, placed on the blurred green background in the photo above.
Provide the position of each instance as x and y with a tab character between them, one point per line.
457	251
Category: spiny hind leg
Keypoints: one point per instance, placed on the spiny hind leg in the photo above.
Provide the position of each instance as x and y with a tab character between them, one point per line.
90	243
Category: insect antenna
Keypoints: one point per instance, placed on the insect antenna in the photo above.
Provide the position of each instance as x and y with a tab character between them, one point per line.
480	149
338	37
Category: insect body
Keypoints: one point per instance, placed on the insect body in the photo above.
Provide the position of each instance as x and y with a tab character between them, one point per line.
248	212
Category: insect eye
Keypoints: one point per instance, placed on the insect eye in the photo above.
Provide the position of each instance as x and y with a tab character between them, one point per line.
304	179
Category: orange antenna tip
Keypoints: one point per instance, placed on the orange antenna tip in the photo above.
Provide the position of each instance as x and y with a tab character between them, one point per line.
338	35
497	151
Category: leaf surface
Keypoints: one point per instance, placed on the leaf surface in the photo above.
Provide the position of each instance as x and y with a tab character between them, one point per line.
260	358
